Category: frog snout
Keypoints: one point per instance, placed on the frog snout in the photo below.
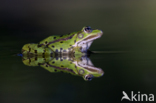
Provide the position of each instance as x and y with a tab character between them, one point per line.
100	33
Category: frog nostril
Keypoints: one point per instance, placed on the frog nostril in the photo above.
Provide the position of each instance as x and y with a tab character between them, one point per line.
101	31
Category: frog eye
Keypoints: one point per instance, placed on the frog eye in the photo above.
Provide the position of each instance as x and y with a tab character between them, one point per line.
80	36
88	29
88	77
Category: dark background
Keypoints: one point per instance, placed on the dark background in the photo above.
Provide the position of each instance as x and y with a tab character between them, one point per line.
128	43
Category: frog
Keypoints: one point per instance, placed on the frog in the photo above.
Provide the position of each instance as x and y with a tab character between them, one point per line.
32	49
72	43
78	66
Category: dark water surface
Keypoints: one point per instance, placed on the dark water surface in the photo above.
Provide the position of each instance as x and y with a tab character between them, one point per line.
123	72
126	52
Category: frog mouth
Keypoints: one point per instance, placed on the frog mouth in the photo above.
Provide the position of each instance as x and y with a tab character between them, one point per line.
94	70
92	37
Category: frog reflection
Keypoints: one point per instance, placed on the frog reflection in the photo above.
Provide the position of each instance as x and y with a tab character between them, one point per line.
80	66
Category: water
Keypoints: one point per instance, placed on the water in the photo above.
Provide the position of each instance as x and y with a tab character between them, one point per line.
126	52
21	83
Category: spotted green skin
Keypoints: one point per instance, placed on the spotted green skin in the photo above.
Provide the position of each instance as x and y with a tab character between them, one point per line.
33	50
69	43
65	64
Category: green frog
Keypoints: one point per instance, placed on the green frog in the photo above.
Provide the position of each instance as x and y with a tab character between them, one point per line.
73	43
80	66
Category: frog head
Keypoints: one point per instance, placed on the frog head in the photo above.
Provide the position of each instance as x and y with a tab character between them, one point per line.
85	38
87	70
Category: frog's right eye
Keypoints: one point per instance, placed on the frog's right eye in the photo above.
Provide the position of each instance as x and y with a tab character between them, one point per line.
88	29
88	77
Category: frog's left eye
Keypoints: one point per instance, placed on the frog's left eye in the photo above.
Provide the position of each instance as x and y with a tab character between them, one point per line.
88	29
88	77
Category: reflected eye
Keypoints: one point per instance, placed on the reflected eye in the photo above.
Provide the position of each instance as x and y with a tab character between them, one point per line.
88	29
80	36
88	77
